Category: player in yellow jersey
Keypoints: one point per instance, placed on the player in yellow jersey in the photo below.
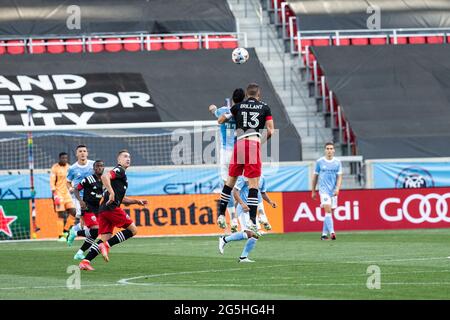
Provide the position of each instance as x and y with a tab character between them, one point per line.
62	201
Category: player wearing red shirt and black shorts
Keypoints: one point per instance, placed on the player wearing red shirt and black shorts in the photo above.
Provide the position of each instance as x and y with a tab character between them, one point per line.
251	116
110	214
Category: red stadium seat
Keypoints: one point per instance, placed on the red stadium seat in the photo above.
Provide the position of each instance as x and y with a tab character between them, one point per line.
95	46
37	46
132	44
190	43
342	42
360	41
113	44
400	40
435	39
321	42
417	40
378	41
211	42
229	42
153	44
55	46
2	47
74	45
304	43
171	43
15	47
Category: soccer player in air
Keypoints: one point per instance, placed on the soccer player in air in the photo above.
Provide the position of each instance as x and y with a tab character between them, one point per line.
251	116
227	137
110	214
93	191
328	174
62	202
240	192
77	172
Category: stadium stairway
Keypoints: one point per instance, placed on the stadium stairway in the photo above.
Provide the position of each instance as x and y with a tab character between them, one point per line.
302	110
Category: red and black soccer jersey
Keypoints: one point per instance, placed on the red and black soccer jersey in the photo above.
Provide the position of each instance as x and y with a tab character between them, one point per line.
93	191
119	185
250	116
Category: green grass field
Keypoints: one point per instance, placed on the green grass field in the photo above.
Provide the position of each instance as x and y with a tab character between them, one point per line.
413	264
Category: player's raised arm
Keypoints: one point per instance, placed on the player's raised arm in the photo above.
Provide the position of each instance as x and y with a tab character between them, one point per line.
266	198
224	118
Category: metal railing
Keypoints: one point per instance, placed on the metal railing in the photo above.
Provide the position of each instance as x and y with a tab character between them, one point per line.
145	40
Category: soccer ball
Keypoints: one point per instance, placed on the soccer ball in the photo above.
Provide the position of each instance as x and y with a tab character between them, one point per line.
239	55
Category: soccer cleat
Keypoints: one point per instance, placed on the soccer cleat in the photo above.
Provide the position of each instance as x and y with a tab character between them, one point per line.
86	265
63	237
333	236
72	235
323	238
222	244
267	226
104	250
221	222
79	256
245	260
252	227
234	228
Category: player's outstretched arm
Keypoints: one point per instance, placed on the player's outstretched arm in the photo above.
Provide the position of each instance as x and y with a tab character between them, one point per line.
127	201
224	118
266	198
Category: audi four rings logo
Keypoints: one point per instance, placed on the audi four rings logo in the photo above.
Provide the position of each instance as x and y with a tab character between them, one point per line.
392	209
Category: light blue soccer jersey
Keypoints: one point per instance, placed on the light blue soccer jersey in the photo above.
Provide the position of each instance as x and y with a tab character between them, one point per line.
242	186
77	172
328	171
227	129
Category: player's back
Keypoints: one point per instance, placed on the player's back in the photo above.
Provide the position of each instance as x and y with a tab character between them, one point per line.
328	171
227	129
59	174
250	116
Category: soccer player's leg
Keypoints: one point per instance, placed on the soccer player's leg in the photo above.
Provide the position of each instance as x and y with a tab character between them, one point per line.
225	159
252	171
236	236
244	219
234	171
76	213
119	219
325	203
105	229
330	220
262	217
90	233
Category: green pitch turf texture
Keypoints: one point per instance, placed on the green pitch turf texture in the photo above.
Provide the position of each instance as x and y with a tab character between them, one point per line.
413	264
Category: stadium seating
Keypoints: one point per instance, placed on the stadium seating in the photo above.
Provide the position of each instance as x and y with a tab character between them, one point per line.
55	46
37	46
2	47
229	42
74	45
15	47
153	44
132	44
190	43
95	46
171	43
212	42
113	44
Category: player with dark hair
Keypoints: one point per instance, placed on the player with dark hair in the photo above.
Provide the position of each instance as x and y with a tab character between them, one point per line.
110	214
77	172
251	116
62	202
92	187
228	138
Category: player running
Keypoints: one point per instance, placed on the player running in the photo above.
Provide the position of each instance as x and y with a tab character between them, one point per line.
240	192
251	117
328	173
92	187
110	214
62	202
77	172
227	137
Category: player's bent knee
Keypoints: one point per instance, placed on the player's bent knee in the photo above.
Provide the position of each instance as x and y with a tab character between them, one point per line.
132	227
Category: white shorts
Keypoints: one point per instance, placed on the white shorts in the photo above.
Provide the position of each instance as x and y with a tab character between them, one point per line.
77	205
326	199
225	159
244	218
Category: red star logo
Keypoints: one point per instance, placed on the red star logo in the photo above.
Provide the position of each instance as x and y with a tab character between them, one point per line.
5	222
